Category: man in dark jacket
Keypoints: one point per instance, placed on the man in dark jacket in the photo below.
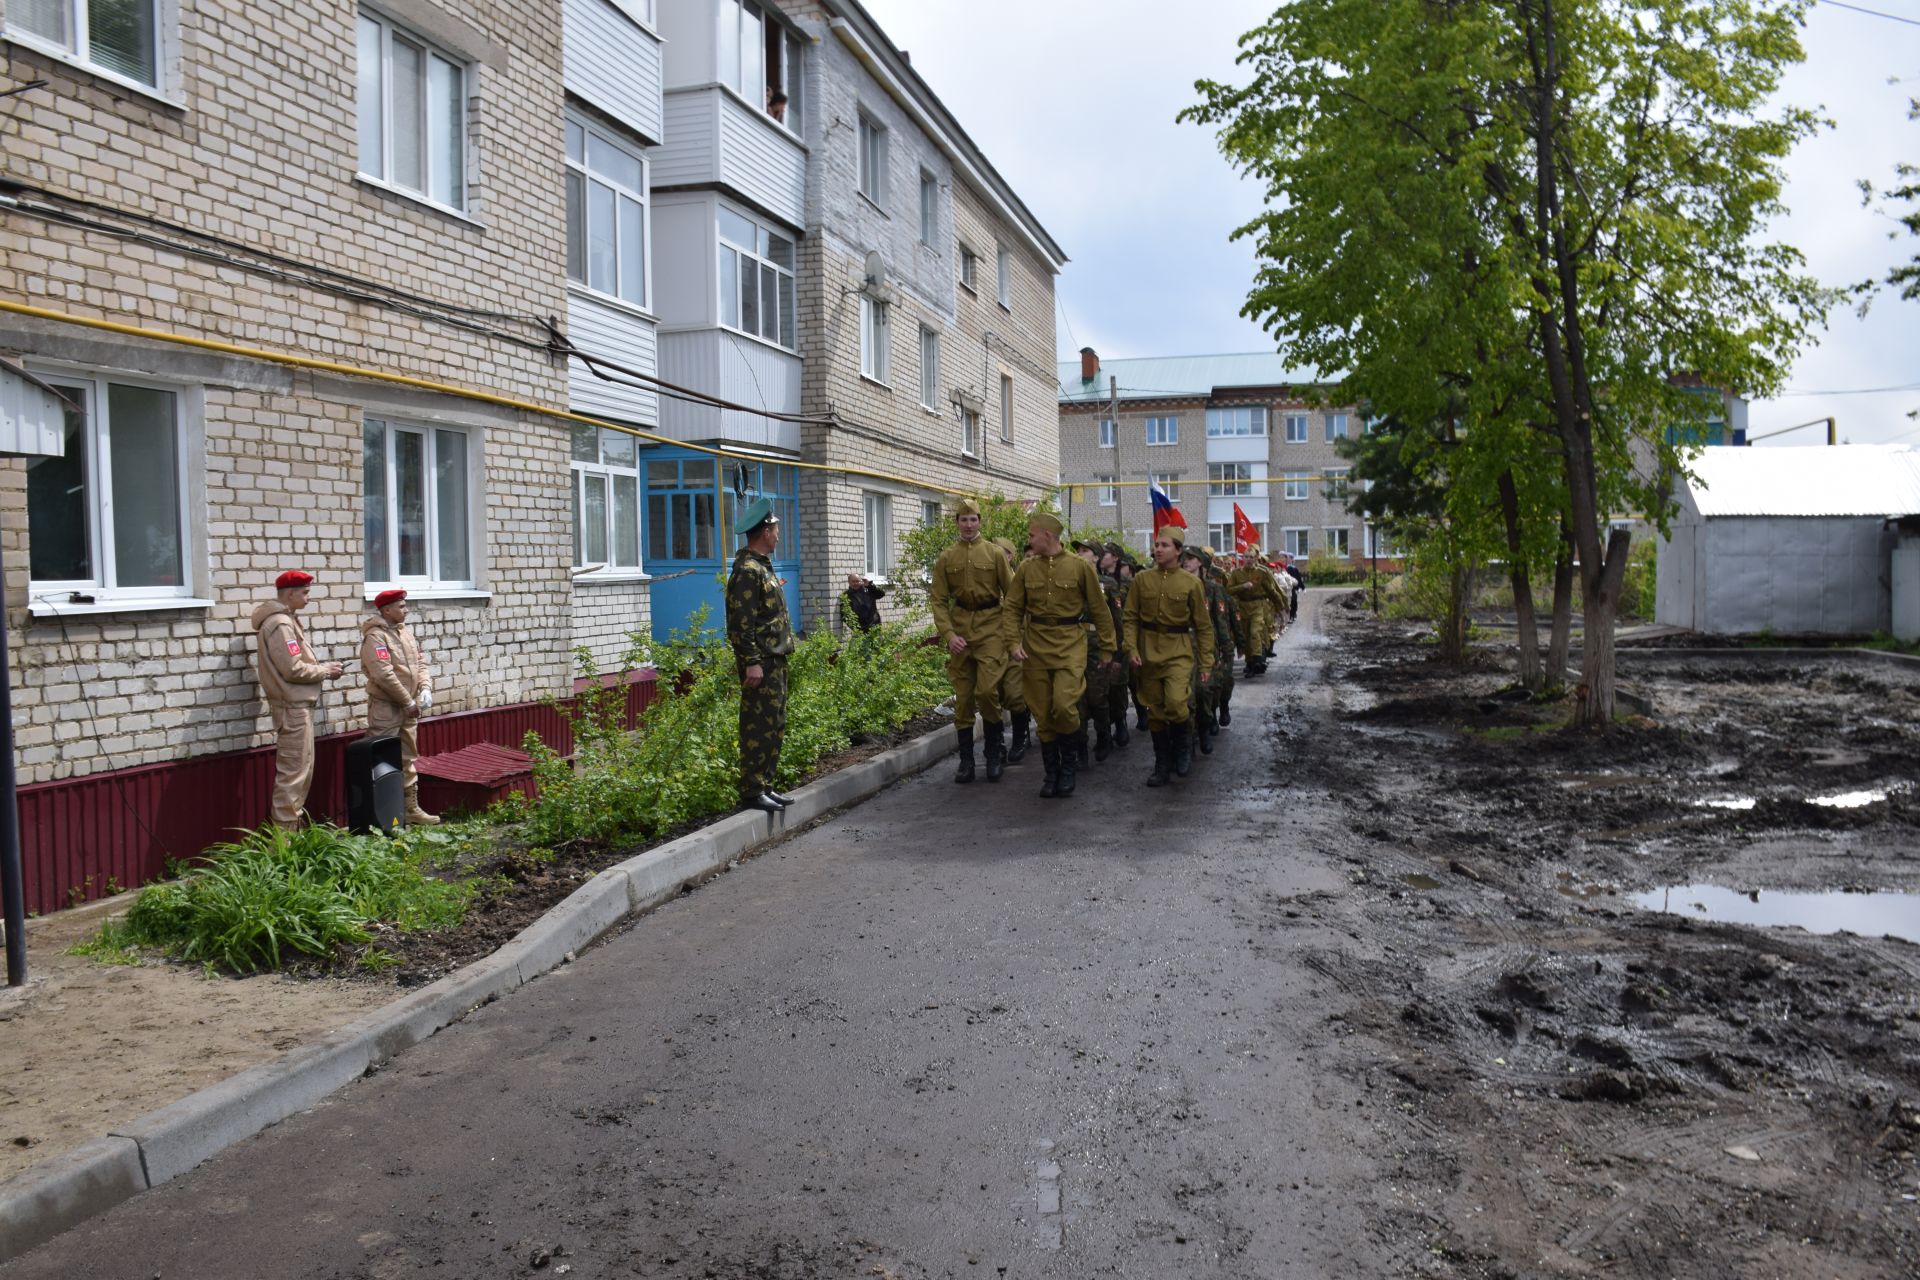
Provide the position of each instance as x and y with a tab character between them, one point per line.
863	597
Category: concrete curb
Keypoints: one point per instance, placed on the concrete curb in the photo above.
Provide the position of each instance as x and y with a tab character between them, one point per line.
65	1190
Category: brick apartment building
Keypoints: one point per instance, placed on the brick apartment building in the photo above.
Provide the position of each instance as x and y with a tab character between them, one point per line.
1212	431
345	247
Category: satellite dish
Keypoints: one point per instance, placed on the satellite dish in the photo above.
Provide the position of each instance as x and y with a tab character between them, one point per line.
876	269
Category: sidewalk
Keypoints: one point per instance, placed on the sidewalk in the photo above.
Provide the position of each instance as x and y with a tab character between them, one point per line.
151	1069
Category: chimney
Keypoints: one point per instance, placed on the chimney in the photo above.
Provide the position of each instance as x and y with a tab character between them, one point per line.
1089	364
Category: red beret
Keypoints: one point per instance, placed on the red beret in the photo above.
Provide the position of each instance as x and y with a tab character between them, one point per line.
292	578
386	598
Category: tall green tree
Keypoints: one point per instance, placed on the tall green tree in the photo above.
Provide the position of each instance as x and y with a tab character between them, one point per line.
1536	210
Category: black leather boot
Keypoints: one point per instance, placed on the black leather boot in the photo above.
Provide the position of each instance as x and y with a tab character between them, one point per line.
1162	758
1139	716
1050	760
1120	735
965	773
1018	751
1181	744
1102	740
995	736
1225	716
1202	730
1073	751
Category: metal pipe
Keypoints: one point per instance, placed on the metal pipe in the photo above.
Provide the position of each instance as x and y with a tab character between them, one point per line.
13	893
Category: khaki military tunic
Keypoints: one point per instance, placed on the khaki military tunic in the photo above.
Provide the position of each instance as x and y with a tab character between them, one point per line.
1258	596
1167	621
396	675
969	585
1049	605
760	634
290	681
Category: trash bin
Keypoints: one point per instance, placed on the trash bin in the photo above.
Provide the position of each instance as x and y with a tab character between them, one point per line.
376	796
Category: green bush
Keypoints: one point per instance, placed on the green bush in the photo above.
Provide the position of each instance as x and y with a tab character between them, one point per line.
1324	570
308	891
1000	517
684	761
1637	588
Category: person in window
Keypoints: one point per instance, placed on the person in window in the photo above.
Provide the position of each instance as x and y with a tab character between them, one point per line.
777	105
399	688
290	681
863	597
761	636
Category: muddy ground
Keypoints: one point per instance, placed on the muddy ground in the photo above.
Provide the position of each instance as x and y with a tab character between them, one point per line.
1574	1084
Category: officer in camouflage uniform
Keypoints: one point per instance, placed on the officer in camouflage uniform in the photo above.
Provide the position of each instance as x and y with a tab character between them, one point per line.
761	637
1013	693
969	581
1167	627
1054	593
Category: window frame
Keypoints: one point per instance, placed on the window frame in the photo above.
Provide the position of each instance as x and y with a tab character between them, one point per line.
390	29
1346	540
786	279
1219	419
1222	485
76	48
1169	428
1109	433
870	145
929	369
1293	485
931	512
969	270
875	337
1003	276
770	75
1106	490
189	491
929	207
1006	408
1336	427
1305	545
1296	422
1339	483
579	472
432	581
590	131
969	432
874	504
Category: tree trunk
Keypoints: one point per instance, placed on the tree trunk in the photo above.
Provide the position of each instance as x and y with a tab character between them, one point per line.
1593	701
1561	641
1453	632
1528	625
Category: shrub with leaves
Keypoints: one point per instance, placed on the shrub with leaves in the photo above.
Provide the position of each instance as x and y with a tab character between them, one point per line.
310	892
683	763
1000	517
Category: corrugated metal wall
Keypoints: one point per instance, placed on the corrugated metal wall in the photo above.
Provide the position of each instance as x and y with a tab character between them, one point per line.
78	836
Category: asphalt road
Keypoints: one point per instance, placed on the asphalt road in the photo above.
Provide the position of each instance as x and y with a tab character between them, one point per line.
955	1031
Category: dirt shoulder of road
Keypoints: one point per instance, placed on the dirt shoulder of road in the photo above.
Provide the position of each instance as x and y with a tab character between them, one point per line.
1574	1080
93	1045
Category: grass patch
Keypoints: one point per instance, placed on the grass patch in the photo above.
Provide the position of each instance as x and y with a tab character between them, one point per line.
254	903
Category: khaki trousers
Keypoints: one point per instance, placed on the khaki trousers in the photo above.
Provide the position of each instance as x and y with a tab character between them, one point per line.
975	675
1166	690
1053	695
292	762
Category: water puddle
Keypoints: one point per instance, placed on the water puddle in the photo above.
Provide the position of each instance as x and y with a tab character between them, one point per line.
1850	799
1867	914
1417	881
1741	803
1601	781
1568	887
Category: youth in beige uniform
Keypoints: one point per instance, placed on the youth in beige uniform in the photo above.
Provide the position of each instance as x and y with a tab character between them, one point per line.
290	683
399	688
969	583
1054	595
1168	631
1013	693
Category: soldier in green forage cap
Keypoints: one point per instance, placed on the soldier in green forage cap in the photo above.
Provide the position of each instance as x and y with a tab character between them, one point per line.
1167	625
1101	671
1207	697
1115	565
1013	693
1054	596
761	637
969	582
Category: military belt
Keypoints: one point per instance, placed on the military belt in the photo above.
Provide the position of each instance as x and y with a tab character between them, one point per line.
1080	621
1166	629
980	608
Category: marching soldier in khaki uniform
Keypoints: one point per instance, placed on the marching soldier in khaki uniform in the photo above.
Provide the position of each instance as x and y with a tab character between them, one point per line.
290	682
1258	595
969	583
1054	594
1167	627
1114	565
1013	693
1102	674
1210	683
399	688
761	637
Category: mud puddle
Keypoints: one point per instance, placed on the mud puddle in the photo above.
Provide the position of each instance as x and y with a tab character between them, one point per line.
1873	915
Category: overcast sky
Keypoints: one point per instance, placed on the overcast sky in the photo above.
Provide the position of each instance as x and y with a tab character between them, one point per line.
1077	113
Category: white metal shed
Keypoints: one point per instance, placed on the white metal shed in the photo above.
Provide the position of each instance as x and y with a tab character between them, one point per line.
1796	541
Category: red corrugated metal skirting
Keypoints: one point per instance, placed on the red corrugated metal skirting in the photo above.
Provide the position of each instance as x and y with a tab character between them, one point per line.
80	838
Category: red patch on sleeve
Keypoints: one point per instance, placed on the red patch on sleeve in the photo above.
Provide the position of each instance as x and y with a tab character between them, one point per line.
380	652
293	647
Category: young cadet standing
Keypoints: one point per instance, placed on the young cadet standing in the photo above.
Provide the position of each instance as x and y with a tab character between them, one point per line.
969	583
1013	693
761	637
1167	627
290	681
1053	597
399	688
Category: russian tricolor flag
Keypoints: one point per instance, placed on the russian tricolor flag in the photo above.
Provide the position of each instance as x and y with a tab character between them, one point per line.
1164	512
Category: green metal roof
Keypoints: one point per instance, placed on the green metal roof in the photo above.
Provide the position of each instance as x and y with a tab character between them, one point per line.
1152	376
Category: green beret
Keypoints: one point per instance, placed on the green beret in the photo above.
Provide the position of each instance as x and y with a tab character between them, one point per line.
758	512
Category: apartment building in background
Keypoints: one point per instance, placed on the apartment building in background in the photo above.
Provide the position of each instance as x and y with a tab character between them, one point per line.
1212	431
355	255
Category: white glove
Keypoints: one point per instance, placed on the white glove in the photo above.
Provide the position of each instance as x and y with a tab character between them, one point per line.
424	699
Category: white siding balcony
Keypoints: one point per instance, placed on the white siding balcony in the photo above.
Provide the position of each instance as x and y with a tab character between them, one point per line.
736	368
714	137
1237	449
612	60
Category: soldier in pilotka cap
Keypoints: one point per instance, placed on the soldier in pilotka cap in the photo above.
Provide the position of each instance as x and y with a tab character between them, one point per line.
290	682
399	689
1054	597
969	582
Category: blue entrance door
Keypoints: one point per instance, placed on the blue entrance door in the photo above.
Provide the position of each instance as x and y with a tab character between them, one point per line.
690	509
